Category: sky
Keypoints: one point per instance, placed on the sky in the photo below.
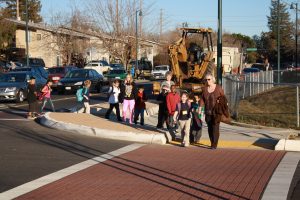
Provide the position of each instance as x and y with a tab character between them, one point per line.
247	17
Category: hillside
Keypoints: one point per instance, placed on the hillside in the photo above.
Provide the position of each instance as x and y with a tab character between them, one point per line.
276	107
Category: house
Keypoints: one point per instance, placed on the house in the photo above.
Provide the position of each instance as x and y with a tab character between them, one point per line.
59	45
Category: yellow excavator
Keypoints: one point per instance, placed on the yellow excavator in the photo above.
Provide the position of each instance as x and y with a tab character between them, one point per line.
191	63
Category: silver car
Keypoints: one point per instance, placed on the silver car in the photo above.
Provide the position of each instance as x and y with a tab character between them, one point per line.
13	85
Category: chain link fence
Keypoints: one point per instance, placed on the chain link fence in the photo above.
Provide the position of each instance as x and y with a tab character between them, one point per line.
260	98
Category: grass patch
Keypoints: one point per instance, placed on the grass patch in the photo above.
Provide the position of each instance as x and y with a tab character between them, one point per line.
276	107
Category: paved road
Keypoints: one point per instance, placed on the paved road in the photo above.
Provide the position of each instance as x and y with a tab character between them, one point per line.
29	150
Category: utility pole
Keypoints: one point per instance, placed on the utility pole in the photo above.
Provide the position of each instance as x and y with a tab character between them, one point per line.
26	34
220	45
141	18
278	40
160	23
117	16
18	10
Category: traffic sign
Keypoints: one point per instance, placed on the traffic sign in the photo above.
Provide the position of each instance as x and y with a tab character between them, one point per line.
251	49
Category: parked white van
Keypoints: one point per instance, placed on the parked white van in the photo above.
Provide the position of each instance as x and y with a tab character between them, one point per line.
99	66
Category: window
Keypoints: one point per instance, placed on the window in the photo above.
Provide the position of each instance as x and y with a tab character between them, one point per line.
91	75
38	37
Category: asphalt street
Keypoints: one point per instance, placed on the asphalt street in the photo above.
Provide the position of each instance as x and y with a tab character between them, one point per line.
29	150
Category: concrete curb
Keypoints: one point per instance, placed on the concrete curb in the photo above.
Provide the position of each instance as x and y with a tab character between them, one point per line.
96	109
288	145
150	138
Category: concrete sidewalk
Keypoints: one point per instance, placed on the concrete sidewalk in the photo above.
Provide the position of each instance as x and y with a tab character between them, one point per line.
96	125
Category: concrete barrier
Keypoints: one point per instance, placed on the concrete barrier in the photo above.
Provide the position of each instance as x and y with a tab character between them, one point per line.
150	138
288	145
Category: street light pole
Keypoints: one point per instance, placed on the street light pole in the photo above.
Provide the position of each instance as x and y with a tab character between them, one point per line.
220	45
296	34
26	34
137	12
278	40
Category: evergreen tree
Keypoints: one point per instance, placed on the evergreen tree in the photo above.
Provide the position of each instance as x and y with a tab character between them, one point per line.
286	32
7	32
34	9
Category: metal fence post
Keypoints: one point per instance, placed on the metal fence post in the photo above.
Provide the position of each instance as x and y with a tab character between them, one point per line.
263	80
250	85
297	106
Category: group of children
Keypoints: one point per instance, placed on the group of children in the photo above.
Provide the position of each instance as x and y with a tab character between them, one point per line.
132	97
174	109
183	111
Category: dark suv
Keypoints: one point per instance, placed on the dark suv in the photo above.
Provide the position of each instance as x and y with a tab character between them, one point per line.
38	70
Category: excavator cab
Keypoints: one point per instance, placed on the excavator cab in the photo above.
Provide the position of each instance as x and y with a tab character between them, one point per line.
190	63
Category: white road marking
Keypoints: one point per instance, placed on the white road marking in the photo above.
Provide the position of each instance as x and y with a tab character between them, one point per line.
30	186
7	119
278	186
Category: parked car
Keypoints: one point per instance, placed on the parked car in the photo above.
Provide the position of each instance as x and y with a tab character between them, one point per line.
33	62
117	73
37	69
159	72
250	70
57	73
116	66
101	67
13	85
4	66
74	79
260	66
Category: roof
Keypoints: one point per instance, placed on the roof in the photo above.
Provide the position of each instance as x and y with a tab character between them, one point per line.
69	31
197	30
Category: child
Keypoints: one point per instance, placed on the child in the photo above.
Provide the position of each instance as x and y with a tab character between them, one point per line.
113	99
32	98
46	92
196	125
173	99
140	105
183	113
86	97
128	93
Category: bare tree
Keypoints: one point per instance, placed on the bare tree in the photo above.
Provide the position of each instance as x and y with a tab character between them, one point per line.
67	37
116	22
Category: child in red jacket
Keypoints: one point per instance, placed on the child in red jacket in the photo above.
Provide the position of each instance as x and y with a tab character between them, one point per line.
140	105
173	98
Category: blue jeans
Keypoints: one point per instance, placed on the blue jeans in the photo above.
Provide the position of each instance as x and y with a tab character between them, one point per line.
45	101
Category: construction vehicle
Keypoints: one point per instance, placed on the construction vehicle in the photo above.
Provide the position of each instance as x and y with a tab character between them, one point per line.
189	62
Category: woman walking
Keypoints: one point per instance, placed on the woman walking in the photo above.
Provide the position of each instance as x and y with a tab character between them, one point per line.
46	93
128	93
113	99
210	93
166	85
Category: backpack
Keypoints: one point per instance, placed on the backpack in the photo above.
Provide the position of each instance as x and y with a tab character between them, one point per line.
110	93
79	94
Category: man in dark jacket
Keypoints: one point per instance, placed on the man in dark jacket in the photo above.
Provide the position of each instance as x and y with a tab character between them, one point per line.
163	110
32	98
